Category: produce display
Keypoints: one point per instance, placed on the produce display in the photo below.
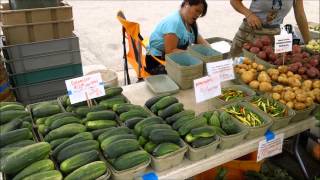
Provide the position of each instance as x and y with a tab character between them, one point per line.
230	94
262	47
15	128
315	27
30	162
269	106
314	46
121	148
245	115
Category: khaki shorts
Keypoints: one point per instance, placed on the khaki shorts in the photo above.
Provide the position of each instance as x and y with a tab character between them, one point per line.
247	34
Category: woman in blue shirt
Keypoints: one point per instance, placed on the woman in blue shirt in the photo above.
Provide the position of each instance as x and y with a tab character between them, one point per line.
175	33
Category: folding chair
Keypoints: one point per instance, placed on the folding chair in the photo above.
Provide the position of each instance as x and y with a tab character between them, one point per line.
135	56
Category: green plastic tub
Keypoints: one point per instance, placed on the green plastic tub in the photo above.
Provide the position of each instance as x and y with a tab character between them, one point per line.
217	102
257	131
30	4
46	74
278	122
195	154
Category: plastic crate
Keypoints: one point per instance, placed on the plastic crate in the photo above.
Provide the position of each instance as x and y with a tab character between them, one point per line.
256	131
34	32
41	91
43	61
161	84
29	4
218	39
30	50
302	114
183	68
47	74
15	17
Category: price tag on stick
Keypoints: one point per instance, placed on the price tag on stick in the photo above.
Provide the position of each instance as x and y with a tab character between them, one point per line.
223	68
283	44
207	87
270	146
85	88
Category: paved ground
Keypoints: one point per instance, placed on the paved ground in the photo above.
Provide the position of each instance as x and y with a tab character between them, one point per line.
100	32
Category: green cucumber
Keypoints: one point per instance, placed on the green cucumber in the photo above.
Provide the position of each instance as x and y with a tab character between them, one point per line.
147	129
8	150
75	139
171	110
142	141
165	148
23	157
115	131
21	143
120	147
45	110
202	142
179	115
52	118
181	121
63	121
10	126
78	160
14	136
101	115
164	135
133	113
150	102
77	148
11	107
36	167
96	133
131	159
150	146
88	172
163	103
9	115
57	142
122	108
67	130
115	138
204	131
147	121
197	122
100	124
45	175
130	123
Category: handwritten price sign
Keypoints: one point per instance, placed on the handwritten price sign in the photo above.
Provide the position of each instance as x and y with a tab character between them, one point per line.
85	88
283	43
223	68
207	87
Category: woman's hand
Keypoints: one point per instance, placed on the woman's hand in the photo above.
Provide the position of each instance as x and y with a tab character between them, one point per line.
253	21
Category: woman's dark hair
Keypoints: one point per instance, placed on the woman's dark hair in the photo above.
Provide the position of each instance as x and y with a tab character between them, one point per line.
196	2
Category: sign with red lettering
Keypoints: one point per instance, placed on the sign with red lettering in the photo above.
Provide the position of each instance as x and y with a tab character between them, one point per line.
207	87
85	88
223	68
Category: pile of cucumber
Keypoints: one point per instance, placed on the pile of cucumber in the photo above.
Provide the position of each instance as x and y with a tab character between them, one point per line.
113	95
78	157
194	130
121	148
15	128
30	162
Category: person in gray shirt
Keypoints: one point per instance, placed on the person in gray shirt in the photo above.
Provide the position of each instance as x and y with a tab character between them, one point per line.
264	18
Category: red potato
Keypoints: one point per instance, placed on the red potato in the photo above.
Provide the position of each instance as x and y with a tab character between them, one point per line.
305	55
314	62
262	55
272	57
257	43
302	70
278	61
293	67
266	41
254	50
313	72
268	49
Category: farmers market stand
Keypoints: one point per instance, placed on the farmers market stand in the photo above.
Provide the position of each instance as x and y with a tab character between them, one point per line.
138	93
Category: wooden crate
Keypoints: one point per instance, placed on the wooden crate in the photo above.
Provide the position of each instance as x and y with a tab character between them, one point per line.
37	15
35	32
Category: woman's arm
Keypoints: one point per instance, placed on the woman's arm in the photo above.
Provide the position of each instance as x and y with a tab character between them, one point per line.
202	41
252	19
301	20
171	43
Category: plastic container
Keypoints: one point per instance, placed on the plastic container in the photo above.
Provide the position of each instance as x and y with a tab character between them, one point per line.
46	74
34	32
218	39
161	84
29	4
314	34
195	154
257	131
109	77
36	49
302	114
43	61
169	160
40	91
217	102
129	174
183	68
24	16
205	54
278	122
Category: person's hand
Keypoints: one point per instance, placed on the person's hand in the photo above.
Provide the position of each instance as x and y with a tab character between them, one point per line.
253	21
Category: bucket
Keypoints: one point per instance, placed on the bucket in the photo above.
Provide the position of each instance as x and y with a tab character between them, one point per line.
109	77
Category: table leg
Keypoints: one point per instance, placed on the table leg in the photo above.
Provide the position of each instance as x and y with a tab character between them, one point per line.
297	155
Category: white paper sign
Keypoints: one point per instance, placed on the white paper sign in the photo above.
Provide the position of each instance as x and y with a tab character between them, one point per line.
283	43
207	87
85	87
221	46
223	68
270	148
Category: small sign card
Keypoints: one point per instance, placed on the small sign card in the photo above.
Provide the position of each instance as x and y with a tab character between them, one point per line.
223	68
283	43
268	148
207	87
85	88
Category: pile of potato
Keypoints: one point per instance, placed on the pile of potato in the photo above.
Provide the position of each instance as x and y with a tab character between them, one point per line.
290	90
